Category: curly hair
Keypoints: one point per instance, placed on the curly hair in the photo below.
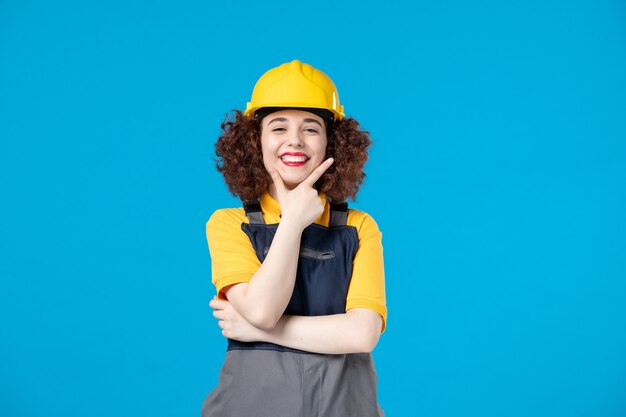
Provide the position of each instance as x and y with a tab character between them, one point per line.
240	158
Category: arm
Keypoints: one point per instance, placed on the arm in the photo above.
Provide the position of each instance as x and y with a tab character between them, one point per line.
263	300
357	330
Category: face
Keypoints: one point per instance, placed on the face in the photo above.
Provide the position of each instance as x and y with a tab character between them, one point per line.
293	143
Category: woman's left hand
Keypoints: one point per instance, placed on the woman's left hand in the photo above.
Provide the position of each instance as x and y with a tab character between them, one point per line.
233	325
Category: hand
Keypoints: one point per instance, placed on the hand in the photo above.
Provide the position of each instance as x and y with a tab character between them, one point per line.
233	325
302	205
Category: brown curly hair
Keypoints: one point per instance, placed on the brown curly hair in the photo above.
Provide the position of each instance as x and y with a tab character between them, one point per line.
240	158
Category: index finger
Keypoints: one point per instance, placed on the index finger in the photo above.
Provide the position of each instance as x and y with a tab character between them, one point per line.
318	172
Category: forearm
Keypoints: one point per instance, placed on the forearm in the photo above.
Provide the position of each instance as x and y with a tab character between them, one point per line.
264	299
358	330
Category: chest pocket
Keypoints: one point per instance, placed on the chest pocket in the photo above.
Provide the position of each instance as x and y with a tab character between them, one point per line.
306	252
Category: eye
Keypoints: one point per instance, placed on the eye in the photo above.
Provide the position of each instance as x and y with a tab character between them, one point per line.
311	130
278	129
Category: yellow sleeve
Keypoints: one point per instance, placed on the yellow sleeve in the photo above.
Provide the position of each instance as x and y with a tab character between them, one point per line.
367	286
233	259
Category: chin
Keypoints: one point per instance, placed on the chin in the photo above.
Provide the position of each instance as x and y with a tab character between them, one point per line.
292	177
291	183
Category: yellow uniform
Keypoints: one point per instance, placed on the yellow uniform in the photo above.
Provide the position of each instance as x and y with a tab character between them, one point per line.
234	259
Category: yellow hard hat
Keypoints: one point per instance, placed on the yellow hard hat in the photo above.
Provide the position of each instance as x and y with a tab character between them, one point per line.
295	85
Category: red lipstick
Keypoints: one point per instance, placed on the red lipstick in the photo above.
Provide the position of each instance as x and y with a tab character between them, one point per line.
294	159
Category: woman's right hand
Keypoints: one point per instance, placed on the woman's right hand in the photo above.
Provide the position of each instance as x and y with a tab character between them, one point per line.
302	205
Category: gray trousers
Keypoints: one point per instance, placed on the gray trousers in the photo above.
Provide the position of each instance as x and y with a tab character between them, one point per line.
269	383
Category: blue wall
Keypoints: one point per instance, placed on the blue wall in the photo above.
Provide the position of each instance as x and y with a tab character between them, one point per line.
497	175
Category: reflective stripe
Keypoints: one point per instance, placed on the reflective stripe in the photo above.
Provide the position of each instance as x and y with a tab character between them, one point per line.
253	212
338	214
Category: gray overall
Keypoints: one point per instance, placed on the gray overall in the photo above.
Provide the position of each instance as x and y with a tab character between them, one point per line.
260	379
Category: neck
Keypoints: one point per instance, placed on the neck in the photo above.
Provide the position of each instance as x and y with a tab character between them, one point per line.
273	193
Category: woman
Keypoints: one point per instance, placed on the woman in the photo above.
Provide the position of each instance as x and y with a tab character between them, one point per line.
299	277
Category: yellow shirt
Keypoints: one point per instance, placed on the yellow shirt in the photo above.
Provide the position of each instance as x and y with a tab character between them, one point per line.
234	261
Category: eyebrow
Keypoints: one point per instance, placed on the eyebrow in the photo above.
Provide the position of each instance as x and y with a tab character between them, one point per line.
284	119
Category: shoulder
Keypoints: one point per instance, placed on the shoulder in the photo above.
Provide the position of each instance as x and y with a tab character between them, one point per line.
364	223
227	218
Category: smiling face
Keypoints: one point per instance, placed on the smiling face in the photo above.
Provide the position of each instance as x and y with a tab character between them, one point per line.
294	144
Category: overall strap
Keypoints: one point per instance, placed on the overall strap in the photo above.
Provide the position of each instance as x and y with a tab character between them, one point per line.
338	214
253	212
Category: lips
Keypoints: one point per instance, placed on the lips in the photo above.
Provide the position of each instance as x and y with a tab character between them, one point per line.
294	159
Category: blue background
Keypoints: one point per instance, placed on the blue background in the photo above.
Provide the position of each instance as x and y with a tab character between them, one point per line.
497	175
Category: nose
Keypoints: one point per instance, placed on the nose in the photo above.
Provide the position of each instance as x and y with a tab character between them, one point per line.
295	139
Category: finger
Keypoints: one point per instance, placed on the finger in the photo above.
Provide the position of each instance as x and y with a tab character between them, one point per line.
221	324
218	314
218	304
318	172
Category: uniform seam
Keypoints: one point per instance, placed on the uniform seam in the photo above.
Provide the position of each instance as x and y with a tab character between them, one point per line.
320	393
301	386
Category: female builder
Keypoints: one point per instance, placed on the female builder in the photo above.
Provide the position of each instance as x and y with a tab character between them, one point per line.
299	277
